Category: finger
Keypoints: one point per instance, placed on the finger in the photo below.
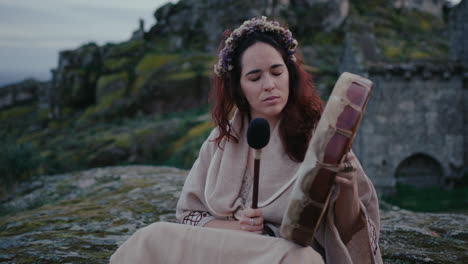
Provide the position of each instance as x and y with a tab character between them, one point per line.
251	220
346	175
251	224
251	228
249	212
346	166
343	181
341	166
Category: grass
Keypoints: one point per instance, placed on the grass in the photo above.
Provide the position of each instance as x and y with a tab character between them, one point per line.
430	199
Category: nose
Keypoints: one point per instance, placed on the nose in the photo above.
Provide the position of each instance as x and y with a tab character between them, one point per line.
268	83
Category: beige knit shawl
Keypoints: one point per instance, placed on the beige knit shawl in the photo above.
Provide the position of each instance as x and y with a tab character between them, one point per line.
215	180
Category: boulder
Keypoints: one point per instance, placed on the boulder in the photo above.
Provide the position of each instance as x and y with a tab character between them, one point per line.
82	217
26	91
74	80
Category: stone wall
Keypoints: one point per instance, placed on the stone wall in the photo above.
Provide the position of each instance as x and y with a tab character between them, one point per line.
413	126
458	28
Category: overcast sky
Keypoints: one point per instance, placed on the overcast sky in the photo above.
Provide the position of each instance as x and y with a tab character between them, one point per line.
32	32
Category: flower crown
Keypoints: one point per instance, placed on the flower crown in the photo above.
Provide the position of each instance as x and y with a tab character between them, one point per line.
248	27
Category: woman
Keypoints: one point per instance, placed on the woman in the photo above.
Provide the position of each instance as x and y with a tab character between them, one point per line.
259	74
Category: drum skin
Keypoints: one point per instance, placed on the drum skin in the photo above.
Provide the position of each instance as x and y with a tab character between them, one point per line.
332	139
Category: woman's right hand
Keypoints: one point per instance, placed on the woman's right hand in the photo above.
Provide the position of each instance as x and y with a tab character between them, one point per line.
251	220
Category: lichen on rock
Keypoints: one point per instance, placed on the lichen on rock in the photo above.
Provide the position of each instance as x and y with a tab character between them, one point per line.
83	216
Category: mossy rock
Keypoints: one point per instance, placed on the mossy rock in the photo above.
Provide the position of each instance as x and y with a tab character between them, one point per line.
183	150
82	217
409	35
152	62
180	76
116	64
17	112
110	83
199	131
124	49
108	106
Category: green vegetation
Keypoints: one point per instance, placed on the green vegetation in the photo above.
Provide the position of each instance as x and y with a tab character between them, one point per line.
161	139
116	64
105	81
430	199
17	162
103	118
129	48
151	62
106	107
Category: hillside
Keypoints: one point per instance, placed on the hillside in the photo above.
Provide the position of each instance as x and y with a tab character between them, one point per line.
145	101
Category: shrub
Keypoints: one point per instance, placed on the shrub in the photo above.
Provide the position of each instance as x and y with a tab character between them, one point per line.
17	162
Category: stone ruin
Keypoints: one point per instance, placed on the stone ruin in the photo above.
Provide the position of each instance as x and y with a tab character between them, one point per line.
415	127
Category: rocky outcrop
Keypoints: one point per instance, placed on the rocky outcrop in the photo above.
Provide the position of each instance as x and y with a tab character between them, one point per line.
26	91
82	217
74	79
198	25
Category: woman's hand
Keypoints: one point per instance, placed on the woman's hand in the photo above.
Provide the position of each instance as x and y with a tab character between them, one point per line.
347	206
347	176
251	220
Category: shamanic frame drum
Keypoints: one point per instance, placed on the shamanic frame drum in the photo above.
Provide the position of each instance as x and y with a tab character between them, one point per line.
331	140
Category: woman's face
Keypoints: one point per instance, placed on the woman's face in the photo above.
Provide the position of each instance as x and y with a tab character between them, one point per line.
264	81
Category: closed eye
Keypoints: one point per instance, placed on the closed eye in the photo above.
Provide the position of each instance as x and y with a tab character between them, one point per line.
277	69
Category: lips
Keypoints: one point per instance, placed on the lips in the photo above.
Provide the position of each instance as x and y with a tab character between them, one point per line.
270	98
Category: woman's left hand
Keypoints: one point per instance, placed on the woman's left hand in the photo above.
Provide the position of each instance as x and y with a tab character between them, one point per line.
251	220
347	175
347	206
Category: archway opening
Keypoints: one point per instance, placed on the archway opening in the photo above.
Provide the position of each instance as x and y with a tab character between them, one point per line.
419	170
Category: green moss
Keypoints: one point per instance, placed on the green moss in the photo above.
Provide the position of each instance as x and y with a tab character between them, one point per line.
64	188
140	133
119	222
407	35
151	62
55	124
104	105
30	137
123	140
128	48
16	112
181	76
105	80
195	132
43	115
116	64
393	51
107	100
419	54
138	84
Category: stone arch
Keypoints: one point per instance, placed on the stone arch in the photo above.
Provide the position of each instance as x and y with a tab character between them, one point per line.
419	170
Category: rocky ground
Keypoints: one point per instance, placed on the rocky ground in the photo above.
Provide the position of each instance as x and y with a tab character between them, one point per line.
82	217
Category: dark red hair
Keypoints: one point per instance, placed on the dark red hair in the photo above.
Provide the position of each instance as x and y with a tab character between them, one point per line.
298	118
